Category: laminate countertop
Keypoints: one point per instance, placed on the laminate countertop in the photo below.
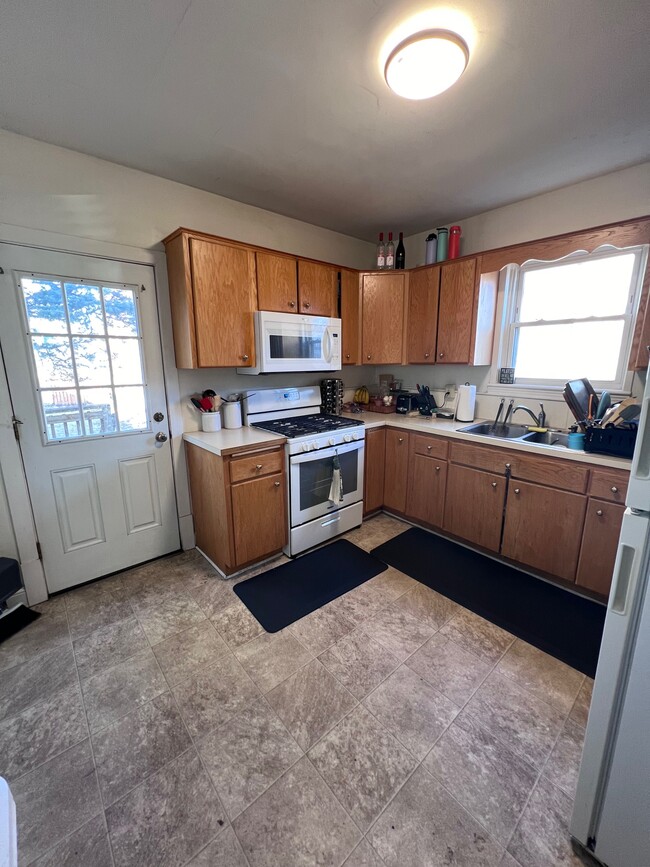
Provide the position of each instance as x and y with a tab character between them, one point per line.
450	429
227	442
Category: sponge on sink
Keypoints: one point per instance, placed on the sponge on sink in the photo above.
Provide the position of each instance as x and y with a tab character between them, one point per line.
537	429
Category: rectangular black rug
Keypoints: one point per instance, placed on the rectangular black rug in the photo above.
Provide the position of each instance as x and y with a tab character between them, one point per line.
567	626
16	620
283	595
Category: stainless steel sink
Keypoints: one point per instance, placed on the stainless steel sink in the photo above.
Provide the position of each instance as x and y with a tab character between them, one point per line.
499	431
518	433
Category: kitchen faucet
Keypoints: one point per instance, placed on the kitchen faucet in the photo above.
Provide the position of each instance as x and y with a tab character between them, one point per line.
540	420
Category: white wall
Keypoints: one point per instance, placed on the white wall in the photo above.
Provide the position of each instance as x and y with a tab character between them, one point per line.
618	196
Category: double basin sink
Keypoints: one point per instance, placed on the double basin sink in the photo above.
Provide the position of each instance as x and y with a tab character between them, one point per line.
518	433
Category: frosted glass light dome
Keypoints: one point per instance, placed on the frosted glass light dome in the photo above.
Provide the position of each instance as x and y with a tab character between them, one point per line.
426	64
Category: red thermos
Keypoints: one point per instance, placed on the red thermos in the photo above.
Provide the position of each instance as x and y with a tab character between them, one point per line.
454	242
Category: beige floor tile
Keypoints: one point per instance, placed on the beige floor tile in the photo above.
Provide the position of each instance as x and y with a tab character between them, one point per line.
477	636
563	764
361	604
542	836
109	645
543	675
580	710
520	720
428	606
36	680
363	764
247	754
223	851
86	847
412	710
85	614
424	826
399	632
364	856
391	585
310	702
171	616
270	659
321	629
236	624
47	633
298	821
453	671
185	653
488	779
359	662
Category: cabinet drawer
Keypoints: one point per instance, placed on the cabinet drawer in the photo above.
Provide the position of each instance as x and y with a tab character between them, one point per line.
609	485
256	465
432	447
482	458
556	473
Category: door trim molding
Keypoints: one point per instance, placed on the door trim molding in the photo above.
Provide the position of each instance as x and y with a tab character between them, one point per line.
20	510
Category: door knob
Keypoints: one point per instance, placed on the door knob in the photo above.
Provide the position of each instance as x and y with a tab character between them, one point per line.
161	437
158	416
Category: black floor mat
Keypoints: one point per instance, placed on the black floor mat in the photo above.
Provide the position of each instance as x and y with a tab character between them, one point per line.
556	621
285	594
12	623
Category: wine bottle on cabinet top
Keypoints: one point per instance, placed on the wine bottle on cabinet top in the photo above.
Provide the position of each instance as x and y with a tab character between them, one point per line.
390	253
381	253
400	253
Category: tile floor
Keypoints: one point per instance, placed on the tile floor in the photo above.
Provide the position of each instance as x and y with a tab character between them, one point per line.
147	719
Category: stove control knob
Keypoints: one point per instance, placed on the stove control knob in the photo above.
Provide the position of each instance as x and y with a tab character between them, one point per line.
331	441
305	447
313	446
355	437
347	438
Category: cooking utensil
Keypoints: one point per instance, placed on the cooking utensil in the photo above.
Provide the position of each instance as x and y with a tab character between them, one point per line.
576	393
623	405
603	404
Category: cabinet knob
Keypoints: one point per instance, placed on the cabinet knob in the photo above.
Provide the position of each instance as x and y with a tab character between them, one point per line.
348	355
614	489
292	303
400	439
426	354
599	513
244	358
494	484
258	466
306	305
429	448
507	466
516	490
277	484
437	469
441	355
368	357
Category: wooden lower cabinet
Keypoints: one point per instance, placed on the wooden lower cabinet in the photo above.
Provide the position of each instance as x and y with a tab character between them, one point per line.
474	506
427	483
599	544
238	519
397	467
543	528
374	470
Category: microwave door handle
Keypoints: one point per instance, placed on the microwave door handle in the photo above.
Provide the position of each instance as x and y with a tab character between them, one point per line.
327	345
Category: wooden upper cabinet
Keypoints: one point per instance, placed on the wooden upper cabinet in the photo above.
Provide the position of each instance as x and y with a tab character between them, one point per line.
422	323
467	309
382	305
543	528
225	297
396	473
317	289
351	317
277	283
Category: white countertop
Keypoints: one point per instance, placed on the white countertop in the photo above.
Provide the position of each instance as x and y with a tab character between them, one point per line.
450	429
225	442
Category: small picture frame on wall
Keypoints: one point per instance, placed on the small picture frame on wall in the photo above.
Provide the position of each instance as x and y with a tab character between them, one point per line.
507	375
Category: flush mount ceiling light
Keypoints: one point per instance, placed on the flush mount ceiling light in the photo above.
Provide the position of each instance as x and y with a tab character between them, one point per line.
426	63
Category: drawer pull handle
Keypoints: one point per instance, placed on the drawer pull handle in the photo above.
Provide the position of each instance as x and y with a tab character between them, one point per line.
599	513
614	489
507	466
277	484
429	448
258	466
494	484
516	490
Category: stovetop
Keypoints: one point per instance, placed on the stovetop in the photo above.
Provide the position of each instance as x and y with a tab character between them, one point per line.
305	425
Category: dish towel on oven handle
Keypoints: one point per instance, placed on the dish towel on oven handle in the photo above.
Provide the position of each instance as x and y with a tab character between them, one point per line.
336	488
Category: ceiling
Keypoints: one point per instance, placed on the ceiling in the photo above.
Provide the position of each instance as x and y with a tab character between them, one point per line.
282	104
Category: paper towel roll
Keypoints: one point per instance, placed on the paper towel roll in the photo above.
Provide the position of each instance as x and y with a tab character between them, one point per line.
466	402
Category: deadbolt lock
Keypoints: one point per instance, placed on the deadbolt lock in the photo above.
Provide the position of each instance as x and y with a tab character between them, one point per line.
158	416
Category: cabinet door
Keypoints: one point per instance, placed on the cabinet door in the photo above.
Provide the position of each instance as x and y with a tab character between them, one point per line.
383	318
426	489
456	312
277	283
259	518
351	317
474	506
599	544
317	289
225	297
373	477
396	473
422	324
543	528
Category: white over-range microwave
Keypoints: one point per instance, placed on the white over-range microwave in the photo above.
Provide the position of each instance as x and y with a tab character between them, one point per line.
292	343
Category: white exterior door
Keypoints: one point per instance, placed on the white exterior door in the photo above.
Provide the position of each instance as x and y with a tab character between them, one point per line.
81	348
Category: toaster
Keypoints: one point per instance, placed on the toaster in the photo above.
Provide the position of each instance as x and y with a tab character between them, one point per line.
406	403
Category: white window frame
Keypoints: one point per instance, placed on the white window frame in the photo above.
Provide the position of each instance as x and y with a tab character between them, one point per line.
512	281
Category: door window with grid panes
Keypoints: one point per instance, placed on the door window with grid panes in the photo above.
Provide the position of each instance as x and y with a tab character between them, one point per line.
86	350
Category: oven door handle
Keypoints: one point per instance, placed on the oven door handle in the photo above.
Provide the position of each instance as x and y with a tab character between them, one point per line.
319	454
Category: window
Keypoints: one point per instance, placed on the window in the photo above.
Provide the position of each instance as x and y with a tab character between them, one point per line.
572	318
86	350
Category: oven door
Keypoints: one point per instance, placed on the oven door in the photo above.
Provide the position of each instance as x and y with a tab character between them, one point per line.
311	479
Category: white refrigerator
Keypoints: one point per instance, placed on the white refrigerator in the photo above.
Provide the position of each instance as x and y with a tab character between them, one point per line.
611	816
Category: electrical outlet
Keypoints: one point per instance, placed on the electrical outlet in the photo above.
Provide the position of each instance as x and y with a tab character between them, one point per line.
452	391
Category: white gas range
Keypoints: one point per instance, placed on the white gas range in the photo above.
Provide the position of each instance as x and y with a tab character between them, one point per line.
318	446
